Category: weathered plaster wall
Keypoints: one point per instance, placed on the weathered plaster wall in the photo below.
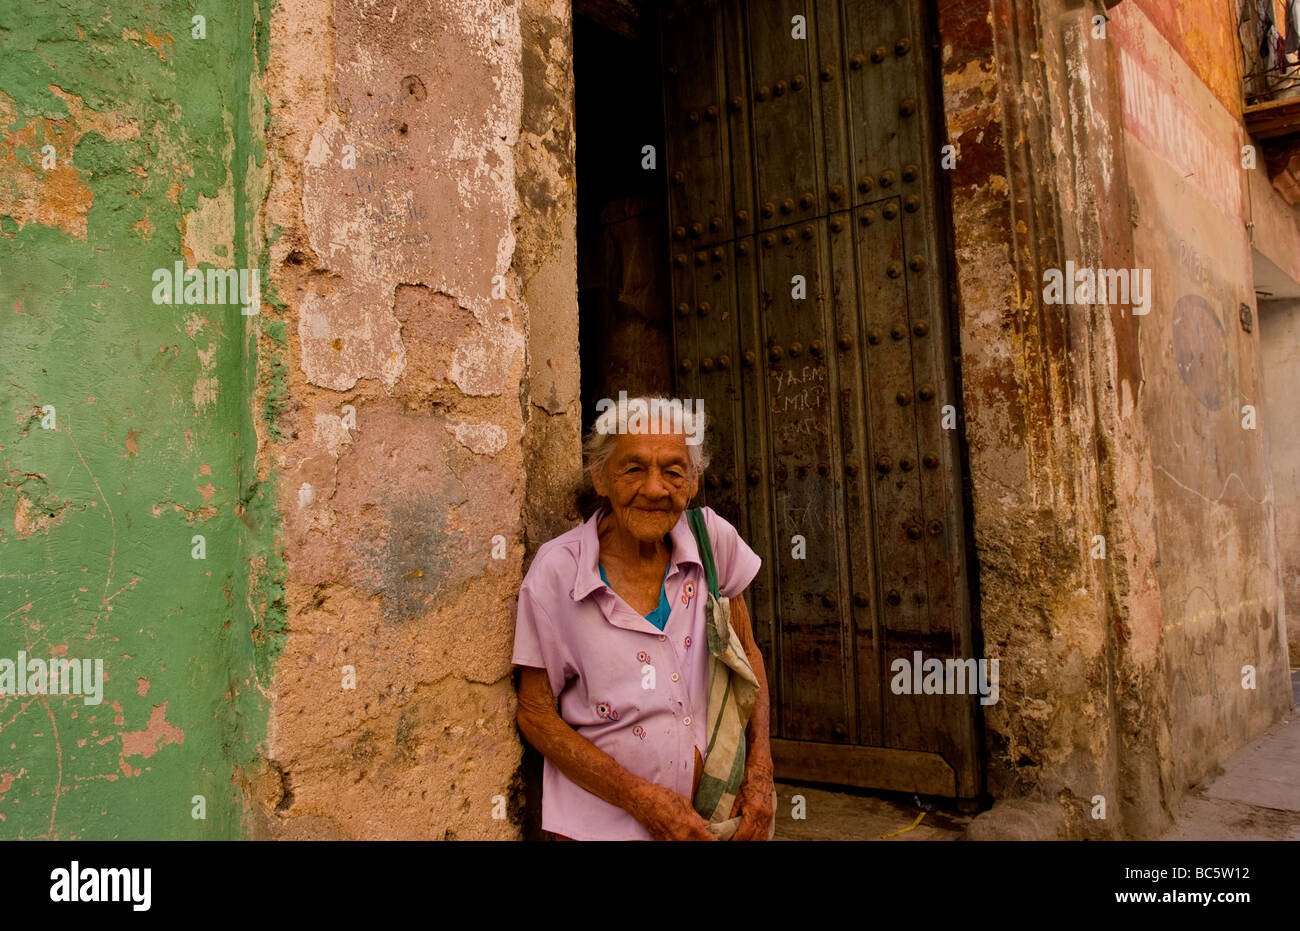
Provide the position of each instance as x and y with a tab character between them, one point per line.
546	262
1121	677
1201	370
1203	35
407	274
1279	336
1034	458
156	153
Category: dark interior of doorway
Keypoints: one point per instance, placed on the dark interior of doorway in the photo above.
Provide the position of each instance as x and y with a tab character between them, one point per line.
625	332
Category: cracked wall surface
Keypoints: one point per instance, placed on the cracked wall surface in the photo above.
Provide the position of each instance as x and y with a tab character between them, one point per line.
1121	676
420	206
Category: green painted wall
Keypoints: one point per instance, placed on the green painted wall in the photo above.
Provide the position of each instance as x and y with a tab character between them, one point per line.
158	140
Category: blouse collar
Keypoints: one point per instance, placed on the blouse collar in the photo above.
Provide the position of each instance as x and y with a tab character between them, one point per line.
587	578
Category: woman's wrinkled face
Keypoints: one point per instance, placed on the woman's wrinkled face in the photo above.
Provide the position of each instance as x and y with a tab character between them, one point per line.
648	481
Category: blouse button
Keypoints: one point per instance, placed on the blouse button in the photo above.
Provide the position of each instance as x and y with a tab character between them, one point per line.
662	637
687	720
675	677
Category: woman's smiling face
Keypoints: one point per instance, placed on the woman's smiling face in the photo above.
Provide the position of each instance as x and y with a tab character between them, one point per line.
649	481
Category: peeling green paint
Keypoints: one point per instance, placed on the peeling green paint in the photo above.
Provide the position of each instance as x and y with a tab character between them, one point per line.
154	439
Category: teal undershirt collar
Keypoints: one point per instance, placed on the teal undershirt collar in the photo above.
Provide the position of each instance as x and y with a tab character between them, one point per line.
659	616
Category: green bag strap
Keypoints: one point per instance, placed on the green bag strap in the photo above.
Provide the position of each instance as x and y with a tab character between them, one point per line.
695	517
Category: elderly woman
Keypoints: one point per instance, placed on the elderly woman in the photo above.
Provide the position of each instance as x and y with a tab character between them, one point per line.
612	624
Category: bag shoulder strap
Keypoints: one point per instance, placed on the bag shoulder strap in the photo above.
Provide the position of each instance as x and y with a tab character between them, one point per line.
695	517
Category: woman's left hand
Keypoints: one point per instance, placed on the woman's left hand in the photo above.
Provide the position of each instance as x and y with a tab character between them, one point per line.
755	803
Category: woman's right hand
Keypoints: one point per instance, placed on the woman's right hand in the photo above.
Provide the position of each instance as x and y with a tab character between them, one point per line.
669	816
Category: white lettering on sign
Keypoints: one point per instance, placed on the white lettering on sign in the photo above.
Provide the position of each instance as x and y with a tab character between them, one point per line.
1155	115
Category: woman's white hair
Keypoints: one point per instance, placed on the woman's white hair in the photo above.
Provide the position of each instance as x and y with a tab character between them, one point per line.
669	414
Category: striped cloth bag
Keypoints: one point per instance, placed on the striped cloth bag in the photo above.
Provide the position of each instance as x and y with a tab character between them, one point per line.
733	689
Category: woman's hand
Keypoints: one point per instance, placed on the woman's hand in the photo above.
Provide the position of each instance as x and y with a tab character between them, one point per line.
755	803
754	799
664	813
669	816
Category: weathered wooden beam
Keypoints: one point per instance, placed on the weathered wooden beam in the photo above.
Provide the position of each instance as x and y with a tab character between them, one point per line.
1274	119
621	16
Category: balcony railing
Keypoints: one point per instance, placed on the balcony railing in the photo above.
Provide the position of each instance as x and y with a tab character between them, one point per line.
1271	93
1274	86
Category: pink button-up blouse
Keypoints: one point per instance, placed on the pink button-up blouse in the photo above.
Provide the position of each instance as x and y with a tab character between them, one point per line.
637	693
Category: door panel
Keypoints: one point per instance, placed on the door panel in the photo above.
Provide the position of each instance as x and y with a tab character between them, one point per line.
812	160
806	521
698	154
784	116
757	519
845	347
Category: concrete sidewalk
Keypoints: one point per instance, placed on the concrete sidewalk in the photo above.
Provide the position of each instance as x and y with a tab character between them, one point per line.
1256	796
846	814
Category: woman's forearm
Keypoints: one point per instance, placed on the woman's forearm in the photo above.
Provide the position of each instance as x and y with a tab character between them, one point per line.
575	756
758	730
758	734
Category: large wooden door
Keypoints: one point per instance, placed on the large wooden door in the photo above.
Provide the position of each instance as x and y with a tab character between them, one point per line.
809	314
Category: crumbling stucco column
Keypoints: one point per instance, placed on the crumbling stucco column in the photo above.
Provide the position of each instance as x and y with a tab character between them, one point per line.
1122	516
405	398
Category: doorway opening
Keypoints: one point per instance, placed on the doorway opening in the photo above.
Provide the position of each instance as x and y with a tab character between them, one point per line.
625	333
759	226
